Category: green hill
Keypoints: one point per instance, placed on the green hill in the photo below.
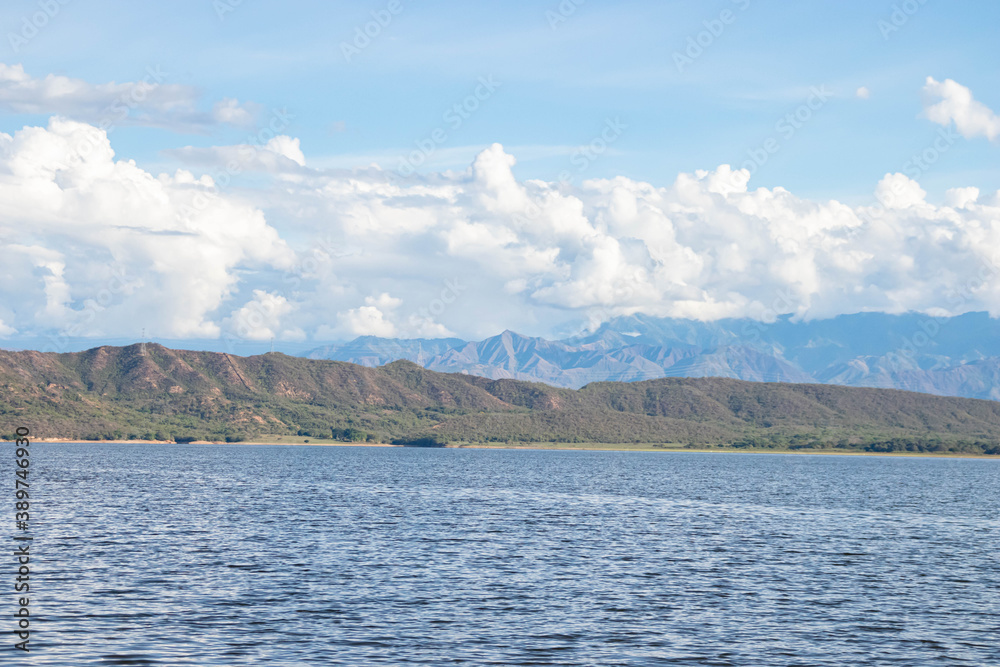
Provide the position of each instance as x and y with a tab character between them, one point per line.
113	393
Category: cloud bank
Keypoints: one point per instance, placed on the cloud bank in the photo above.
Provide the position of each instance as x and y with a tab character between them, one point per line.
96	246
93	245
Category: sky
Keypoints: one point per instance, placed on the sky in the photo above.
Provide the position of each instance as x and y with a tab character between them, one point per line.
315	171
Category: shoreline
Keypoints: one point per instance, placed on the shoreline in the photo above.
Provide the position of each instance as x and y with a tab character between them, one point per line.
294	441
322	443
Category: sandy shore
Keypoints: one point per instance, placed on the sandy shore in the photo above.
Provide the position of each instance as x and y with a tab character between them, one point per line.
293	441
319	443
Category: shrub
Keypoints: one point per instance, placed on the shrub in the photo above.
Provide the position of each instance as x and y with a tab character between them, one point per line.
426	441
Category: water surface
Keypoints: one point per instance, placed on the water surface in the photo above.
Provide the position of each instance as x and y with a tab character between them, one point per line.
244	555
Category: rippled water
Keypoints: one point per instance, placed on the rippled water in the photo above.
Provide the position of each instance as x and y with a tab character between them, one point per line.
237	555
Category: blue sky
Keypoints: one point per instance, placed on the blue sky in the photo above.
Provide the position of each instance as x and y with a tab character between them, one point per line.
562	76
559	84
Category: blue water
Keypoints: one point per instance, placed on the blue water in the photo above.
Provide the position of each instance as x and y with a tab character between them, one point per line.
237	555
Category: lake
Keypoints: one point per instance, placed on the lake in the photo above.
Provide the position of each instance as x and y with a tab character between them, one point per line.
270	555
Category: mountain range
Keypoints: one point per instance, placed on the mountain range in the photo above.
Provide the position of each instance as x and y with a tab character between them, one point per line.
953	356
153	392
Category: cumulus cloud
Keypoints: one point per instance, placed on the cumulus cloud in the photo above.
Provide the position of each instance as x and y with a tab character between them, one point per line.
707	246
961	197
287	147
336	254
863	93
950	102
101	247
261	317
371	320
380	316
899	191
150	101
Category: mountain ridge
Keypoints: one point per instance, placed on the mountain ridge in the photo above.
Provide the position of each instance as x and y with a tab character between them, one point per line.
957	356
183	395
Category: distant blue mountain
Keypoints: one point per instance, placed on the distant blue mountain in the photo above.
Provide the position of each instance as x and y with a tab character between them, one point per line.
373	351
958	356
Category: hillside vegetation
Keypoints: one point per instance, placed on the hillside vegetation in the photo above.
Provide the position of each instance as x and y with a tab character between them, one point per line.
115	393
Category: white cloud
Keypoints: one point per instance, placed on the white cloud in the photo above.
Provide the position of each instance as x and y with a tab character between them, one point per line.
287	147
961	197
105	248
899	191
706	246
150	101
445	157
367	321
280	155
260	318
418	326
471	252
379	317
230	112
384	301
863	93
950	102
